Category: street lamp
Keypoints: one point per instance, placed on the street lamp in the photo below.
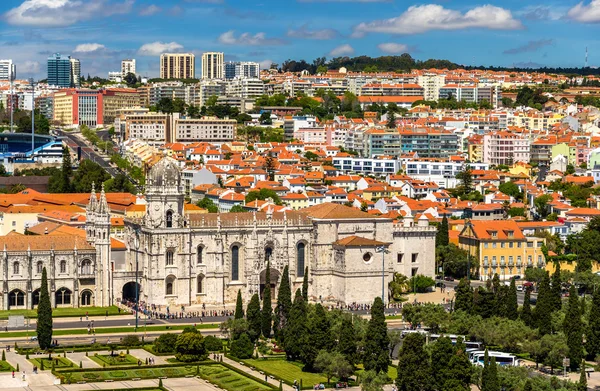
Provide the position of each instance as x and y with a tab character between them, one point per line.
382	250
137	287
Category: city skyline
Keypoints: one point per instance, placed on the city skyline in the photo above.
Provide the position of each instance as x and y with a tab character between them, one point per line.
471	32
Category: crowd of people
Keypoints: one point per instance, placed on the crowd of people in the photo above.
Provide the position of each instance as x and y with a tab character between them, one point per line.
154	311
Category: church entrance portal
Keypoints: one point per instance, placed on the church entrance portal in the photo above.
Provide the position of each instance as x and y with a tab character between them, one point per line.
129	291
274	281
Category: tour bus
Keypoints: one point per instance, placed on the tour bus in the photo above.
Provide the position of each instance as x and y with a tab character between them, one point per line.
453	338
505	359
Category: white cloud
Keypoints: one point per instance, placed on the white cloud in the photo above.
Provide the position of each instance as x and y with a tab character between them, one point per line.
393	48
28	67
304	32
265	64
342	50
422	18
150	10
60	13
156	48
589	13
89	47
258	39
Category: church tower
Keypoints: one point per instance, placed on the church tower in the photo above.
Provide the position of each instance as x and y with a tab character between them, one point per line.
164	195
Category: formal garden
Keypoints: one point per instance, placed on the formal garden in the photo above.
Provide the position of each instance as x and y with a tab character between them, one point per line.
114	359
52	362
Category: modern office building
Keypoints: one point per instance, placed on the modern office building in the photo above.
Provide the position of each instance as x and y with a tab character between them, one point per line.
59	70
75	73
8	70
236	69
127	66
212	65
177	66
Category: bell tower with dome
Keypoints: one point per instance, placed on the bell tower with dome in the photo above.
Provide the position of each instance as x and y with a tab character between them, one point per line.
164	195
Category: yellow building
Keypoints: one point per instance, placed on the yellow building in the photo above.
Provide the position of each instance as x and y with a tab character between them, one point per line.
500	247
520	168
475	152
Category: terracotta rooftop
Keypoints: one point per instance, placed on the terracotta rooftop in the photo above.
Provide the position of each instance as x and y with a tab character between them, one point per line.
44	243
359	241
330	210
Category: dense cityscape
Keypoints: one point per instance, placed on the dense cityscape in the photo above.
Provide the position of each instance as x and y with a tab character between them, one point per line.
388	216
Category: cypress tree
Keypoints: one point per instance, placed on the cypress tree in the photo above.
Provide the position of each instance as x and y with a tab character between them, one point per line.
284	304
592	336
556	288
319	337
512	305
460	369
485	373
414	370
347	339
44	320
582	385
543	307
253	317
464	296
526	310
3	356
296	332
496	283
441	237
573	329
239	309
305	285
528	386
493	376
441	354
267	310
376	356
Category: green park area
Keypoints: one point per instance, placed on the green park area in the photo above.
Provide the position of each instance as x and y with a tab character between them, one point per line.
66	312
56	362
116	359
5	366
229	379
288	371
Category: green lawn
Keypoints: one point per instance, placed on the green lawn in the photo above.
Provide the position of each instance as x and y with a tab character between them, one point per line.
6	367
230	380
116	360
65	312
287	371
392	371
110	330
59	362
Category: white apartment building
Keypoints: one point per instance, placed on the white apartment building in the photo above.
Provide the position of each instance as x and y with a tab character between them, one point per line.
151	128
443	173
8	70
380	165
212	65
211	130
210	88
505	148
116	77
245	88
127	66
75	72
236	69
431	84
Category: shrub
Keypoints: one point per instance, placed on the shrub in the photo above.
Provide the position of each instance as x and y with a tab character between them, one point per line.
165	343
130	340
213	344
242	347
190	347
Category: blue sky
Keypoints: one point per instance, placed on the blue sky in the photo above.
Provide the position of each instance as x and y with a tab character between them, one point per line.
102	32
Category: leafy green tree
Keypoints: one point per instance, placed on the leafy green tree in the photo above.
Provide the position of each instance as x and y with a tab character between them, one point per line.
373	381
347	338
460	369
573	329
510	189
165	105
512	305
263	194
582	385
305	285
239	309
441	238
391	124
284	305
296	332
319	338
190	347
464	296
213	344
441	354
165	343
87	174
333	364
130	79
592	336
44	320
414	370
266	314
242	347
421	283
208	204
484	302
254	318
525	315
541	204
376	355
237	209
466	180
489	378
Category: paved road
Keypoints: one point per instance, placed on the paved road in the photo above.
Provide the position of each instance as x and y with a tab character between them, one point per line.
87	151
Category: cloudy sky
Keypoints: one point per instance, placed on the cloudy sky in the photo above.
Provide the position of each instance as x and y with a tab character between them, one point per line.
102	32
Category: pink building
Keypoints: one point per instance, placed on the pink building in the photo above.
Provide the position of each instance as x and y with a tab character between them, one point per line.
506	148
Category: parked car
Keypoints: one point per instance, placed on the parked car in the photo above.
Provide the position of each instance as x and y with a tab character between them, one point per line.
319	386
448	278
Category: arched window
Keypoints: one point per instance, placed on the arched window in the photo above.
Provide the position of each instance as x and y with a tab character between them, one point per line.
63	296
16	298
16	268
86	298
63	266
170	281
268	254
169	258
169	219
86	267
200	255
235	263
200	284
300	256
36	297
40	267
